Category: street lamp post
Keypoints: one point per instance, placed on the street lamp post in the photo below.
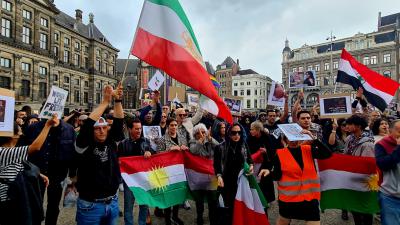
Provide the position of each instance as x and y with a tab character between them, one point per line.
331	38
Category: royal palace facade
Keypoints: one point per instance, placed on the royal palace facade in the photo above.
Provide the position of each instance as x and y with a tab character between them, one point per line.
40	46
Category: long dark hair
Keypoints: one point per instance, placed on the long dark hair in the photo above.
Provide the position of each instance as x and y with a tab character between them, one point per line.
377	124
243	135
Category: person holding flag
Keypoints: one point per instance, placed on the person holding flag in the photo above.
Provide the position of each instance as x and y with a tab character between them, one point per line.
298	181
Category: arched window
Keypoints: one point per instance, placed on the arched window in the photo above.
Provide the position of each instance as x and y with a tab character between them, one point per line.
312	98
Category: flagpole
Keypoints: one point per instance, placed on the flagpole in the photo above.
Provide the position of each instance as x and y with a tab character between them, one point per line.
126	66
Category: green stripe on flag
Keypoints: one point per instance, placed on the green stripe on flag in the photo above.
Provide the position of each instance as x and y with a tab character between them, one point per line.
177	8
363	202
254	185
168	196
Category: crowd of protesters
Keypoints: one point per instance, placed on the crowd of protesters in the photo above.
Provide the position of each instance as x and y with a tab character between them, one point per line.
85	146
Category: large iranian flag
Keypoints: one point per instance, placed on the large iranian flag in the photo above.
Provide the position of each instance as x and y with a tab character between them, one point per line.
200	173
165	39
159	181
350	183
250	205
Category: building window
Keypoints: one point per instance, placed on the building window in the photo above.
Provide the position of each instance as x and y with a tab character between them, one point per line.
98	52
294	69
77	60
55	77
255	92
5	82
76	81
248	92
85	97
6	5
387	73
248	104
106	69
26	67
76	96
66	42
326	66
300	69
42	71
98	65
366	60
326	81
42	90
77	46
44	22
386	58
374	60
4	62
5	27
235	93
55	50
98	85
98	98
241	92
56	37
86	83
66	56
241	83
26	14
248	83
335	65
43	41
66	80
26	88
255	103
235	84
86	62
317	67
309	68
26	35
86	48
111	72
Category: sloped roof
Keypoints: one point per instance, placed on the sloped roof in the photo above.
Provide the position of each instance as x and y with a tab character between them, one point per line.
228	62
132	65
246	72
89	31
389	19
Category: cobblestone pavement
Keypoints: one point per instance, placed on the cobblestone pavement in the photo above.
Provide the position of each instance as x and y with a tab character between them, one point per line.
330	217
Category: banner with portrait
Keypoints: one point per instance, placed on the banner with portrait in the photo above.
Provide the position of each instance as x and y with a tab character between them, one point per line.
302	79
335	106
276	95
234	105
7	106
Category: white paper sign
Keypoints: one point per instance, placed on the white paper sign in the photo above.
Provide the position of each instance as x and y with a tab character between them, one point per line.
7	105
55	103
293	132
156	81
276	95
193	99
153	134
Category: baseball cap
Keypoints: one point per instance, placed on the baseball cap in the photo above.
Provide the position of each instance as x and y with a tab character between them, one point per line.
101	122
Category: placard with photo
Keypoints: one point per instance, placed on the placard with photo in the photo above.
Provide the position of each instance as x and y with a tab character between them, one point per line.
7	106
302	79
276	95
234	105
335	106
153	134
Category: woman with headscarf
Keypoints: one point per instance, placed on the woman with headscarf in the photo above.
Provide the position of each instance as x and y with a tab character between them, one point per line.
298	181
229	159
203	145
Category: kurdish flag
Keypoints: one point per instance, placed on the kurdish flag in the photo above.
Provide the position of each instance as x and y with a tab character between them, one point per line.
159	181
350	183
378	90
249	206
165	39
200	173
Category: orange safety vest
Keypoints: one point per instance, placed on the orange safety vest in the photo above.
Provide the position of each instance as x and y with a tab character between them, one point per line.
298	185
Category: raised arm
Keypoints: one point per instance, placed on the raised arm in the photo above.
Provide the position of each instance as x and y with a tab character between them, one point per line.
197	117
38	142
285	109
118	110
107	97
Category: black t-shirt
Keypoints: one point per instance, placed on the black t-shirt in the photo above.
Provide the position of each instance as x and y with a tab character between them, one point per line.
275	133
98	168
175	139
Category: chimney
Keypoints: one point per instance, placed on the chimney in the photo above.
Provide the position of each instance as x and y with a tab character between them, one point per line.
379	20
78	15
91	18
237	62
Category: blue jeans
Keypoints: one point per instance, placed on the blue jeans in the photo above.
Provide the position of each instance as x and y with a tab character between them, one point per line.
390	209
93	213
129	201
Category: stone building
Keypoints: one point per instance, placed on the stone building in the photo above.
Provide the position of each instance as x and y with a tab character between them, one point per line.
379	50
224	73
41	46
252	87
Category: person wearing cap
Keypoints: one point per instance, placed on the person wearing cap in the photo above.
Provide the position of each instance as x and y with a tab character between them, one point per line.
293	166
98	175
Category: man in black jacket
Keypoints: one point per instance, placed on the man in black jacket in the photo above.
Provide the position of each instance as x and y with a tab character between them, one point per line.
98	176
134	145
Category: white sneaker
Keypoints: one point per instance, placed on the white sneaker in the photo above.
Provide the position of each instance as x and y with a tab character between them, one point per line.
186	205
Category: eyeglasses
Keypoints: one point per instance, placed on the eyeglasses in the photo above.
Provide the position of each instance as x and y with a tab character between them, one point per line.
182	115
233	133
163	116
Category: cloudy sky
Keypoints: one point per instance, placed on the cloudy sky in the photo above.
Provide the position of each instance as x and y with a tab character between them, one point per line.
252	31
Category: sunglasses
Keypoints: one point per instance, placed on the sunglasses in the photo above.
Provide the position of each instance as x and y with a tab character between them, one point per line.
163	116
182	115
233	133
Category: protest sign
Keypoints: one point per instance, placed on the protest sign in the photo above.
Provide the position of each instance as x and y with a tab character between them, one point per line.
234	105
55	103
302	79
156	81
153	134
276	95
335	106
193	99
293	132
7	105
